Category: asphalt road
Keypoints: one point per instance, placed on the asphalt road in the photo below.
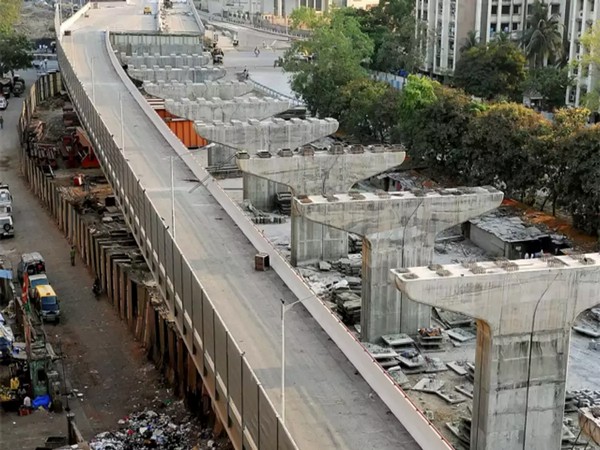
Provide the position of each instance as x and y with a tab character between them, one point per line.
328	404
102	359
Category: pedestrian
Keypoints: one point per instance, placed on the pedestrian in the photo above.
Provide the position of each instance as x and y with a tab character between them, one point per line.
1	123
73	252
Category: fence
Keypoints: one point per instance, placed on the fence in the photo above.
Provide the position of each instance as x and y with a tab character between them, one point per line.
396	81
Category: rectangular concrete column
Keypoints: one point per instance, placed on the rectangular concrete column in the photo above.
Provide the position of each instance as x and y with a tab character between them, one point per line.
384	309
312	242
519	379
260	192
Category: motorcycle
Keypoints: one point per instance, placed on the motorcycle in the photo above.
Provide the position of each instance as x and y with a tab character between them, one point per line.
96	288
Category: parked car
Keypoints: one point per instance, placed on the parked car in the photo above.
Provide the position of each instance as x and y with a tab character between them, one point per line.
3	103
33	263
7	226
46	303
5	200
33	281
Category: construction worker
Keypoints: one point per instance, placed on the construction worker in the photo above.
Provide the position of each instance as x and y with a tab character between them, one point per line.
1	123
73	252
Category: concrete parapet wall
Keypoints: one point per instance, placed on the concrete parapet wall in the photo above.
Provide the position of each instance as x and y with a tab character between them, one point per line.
161	60
153	42
225	110
176	90
272	135
194	74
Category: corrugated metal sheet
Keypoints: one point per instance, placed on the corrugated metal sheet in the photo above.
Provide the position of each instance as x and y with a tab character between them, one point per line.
182	128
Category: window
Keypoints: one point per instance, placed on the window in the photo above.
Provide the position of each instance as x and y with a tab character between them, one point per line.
515	26
517	9
505	9
504	27
494	9
554	9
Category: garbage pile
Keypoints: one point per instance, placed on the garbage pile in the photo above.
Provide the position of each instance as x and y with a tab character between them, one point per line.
148	429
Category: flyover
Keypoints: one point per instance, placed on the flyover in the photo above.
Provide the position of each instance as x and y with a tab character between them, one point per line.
227	313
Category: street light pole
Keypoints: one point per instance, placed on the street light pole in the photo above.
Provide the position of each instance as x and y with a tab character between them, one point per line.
122	124
93	84
172	197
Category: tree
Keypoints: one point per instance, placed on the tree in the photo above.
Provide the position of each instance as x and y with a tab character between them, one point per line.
500	149
305	17
590	60
370	109
417	93
491	71
581	187
14	52
555	152
341	49
9	14
542	38
437	140
551	83
470	41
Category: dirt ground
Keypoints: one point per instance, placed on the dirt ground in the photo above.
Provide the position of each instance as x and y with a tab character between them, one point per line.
103	362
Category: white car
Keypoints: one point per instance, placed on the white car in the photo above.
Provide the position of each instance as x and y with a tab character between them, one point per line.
3	103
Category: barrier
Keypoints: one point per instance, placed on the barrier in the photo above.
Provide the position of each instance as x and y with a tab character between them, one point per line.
192	7
238	398
272	93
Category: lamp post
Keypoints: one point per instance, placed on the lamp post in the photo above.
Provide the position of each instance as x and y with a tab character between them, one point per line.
122	124
285	308
93	84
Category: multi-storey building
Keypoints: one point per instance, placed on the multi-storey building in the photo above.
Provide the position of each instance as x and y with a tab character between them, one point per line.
583	15
447	23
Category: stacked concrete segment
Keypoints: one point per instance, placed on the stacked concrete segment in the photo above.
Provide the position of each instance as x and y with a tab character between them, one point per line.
173	60
397	229
325	172
525	310
168	73
271	134
226	90
242	108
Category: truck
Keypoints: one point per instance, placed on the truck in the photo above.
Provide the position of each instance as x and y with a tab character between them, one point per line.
18	86
6	86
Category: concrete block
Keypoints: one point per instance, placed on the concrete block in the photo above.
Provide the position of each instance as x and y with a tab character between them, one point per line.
225	110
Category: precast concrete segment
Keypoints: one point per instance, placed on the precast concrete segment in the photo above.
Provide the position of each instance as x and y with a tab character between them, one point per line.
320	172
398	229
271	134
525	310
173	60
236	109
176	90
168	73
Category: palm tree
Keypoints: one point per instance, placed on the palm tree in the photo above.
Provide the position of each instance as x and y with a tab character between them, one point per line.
542	39
471	40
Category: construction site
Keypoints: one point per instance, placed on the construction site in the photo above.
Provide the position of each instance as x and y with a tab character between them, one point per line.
470	304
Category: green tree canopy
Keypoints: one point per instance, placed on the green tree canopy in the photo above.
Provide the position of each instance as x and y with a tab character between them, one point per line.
491	71
370	109
551	83
341	49
581	188
14	52
590	59
9	14
501	148
306	18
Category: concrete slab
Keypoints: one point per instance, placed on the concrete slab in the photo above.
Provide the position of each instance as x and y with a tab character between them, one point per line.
225	110
175	60
176	90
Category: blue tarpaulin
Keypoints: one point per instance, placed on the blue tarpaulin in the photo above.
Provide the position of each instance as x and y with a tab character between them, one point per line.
6	274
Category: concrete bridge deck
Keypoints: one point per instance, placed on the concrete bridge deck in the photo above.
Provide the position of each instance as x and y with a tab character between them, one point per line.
328	404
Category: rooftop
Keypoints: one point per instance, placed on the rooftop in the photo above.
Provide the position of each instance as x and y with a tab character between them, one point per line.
507	228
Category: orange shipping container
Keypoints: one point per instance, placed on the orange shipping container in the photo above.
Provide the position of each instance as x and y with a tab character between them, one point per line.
182	128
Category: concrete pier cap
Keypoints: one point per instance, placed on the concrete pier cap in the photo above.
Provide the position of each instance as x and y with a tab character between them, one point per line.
525	310
398	229
310	171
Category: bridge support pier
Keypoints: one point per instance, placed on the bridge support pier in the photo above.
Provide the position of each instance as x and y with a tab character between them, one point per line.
524	311
397	229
